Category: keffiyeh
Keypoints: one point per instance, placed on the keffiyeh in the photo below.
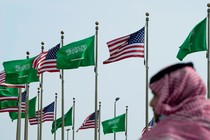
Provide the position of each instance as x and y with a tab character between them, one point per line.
182	99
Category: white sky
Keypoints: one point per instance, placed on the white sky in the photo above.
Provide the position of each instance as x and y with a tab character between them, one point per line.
24	25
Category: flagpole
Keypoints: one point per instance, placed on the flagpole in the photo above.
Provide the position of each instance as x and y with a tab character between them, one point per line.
73	119
126	124
99	121
55	115
18	133
26	107
96	79
62	92
146	65
41	97
208	52
38	126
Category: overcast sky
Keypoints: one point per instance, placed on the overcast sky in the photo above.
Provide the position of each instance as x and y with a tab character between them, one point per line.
24	25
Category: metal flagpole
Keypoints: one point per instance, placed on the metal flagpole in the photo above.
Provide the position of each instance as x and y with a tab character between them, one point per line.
146	65
41	98
99	121
115	111
38	126
62	92
26	107
55	115
73	119
67	131
208	52
96	80
18	134
126	124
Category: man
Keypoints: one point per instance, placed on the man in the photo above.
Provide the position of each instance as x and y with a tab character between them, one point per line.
180	107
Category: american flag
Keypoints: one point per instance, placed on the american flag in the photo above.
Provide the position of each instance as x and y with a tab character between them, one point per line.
89	122
150	126
127	46
47	115
46	61
2	82
15	108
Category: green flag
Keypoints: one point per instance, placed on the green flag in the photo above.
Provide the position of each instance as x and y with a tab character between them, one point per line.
31	110
11	105
195	41
116	124
8	93
67	121
20	71
8	106
76	54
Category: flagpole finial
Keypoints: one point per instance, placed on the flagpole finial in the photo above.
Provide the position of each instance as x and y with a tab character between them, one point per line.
42	47
96	23
62	33
27	54
147	18
73	99
56	95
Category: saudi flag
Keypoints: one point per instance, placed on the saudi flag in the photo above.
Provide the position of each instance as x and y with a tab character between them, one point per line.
31	110
9	106
116	124
195	41
76	54
58	122
20	71
8	93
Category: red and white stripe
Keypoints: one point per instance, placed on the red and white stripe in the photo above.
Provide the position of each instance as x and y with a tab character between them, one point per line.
119	49
13	109
2	82
48	116
42	65
88	124
2	98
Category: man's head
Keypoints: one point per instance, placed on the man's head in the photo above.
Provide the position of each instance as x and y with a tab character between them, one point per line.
173	86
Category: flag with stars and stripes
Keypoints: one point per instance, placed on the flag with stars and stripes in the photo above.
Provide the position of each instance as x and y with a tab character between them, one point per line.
150	126
47	115
89	122
2	82
46	61
126	47
12	105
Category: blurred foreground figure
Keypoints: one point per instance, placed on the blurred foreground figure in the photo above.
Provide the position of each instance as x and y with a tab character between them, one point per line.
181	109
